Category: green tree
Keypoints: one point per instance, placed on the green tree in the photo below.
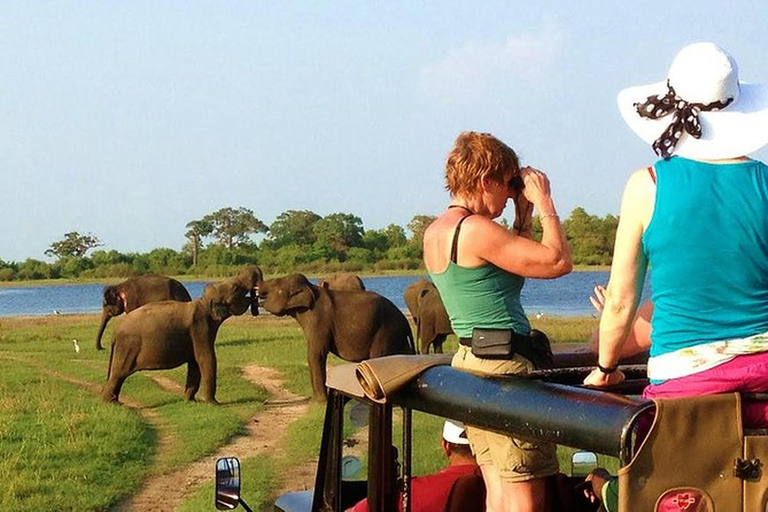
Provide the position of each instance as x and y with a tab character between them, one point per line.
591	238
34	269
395	236
196	231
417	226
382	240
166	261
336	233
294	227
232	228
73	245
71	267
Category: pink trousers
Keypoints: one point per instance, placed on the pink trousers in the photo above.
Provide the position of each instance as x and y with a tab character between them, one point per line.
747	374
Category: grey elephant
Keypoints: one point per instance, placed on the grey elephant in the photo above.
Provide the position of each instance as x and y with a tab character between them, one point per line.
341	281
168	334
354	325
426	307
134	293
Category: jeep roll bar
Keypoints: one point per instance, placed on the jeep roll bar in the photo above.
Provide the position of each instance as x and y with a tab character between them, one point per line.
587	419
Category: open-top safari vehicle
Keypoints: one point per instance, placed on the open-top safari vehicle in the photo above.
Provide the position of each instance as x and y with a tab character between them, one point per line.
695	457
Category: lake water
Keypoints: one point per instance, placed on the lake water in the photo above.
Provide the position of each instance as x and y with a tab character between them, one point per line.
566	296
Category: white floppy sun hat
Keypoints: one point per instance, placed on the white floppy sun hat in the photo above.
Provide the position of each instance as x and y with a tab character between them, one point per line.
701	96
453	432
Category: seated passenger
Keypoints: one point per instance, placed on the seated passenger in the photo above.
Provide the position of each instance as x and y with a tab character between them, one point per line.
697	218
430	493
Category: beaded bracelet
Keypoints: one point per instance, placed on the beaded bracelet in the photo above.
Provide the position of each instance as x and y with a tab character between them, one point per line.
556	216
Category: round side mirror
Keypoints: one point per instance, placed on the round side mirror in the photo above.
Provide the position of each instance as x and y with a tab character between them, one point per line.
227	483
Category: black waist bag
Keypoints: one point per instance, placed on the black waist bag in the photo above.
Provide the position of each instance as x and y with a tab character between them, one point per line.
505	343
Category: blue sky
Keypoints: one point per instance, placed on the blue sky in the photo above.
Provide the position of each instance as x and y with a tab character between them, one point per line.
129	119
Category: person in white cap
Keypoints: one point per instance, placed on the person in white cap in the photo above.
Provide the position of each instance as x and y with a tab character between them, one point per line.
430	493
698	218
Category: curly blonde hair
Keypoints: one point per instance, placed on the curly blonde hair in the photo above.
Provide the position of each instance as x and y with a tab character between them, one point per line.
476	156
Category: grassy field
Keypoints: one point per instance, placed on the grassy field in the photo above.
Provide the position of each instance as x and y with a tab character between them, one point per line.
64	449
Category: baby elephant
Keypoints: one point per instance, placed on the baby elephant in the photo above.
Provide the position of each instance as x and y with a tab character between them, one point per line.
163	335
354	325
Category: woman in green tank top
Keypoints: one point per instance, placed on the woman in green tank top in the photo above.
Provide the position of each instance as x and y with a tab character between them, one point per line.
479	268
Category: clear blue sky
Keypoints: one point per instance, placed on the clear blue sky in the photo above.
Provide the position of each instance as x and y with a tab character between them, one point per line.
129	119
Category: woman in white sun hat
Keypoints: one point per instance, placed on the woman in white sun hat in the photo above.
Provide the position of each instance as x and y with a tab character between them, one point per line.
699	218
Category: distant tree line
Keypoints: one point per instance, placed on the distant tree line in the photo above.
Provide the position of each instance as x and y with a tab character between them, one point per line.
297	241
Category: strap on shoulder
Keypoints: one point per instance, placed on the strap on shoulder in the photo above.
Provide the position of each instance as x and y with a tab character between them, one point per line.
455	243
652	172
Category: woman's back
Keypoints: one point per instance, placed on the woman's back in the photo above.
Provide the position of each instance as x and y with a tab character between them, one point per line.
707	244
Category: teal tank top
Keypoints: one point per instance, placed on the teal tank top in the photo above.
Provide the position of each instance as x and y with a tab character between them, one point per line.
707	246
484	296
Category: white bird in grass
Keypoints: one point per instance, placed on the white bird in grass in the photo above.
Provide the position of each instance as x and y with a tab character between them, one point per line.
77	347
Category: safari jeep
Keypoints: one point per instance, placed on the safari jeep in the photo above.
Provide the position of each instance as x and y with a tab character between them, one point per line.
696	457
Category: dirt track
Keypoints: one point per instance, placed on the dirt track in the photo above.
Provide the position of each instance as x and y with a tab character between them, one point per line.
266	432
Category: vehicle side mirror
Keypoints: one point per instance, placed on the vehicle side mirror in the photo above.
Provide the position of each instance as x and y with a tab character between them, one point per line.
582	463
227	483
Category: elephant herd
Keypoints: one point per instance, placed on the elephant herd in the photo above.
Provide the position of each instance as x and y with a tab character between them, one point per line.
165	328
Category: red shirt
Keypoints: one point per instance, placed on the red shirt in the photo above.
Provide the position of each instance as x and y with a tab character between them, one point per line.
429	493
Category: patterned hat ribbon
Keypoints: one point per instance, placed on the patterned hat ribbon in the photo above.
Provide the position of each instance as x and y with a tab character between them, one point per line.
685	117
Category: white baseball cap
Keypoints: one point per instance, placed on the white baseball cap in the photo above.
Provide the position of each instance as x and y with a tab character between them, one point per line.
453	432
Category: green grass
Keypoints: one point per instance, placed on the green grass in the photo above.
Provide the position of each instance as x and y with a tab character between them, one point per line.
64	449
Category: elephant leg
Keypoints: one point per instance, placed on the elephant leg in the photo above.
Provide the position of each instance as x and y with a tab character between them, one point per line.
122	365
316	361
420	343
111	390
206	360
438	343
193	380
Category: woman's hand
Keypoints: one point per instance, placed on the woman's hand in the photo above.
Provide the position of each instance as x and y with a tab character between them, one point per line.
596	480
598	299
598	379
537	189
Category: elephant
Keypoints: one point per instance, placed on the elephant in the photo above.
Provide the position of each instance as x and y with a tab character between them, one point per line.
341	281
426	307
134	293
167	334
354	325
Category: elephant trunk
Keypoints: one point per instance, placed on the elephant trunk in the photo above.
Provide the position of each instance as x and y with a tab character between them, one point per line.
105	316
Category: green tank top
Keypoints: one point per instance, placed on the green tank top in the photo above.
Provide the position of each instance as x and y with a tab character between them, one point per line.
484	296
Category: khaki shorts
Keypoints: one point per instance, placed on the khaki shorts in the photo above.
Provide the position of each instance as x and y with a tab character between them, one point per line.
516	459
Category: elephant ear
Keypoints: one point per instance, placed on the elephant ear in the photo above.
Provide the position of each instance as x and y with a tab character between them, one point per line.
219	311
110	295
303	297
214	302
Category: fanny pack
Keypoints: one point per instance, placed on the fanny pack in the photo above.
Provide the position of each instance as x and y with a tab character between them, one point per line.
505	343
